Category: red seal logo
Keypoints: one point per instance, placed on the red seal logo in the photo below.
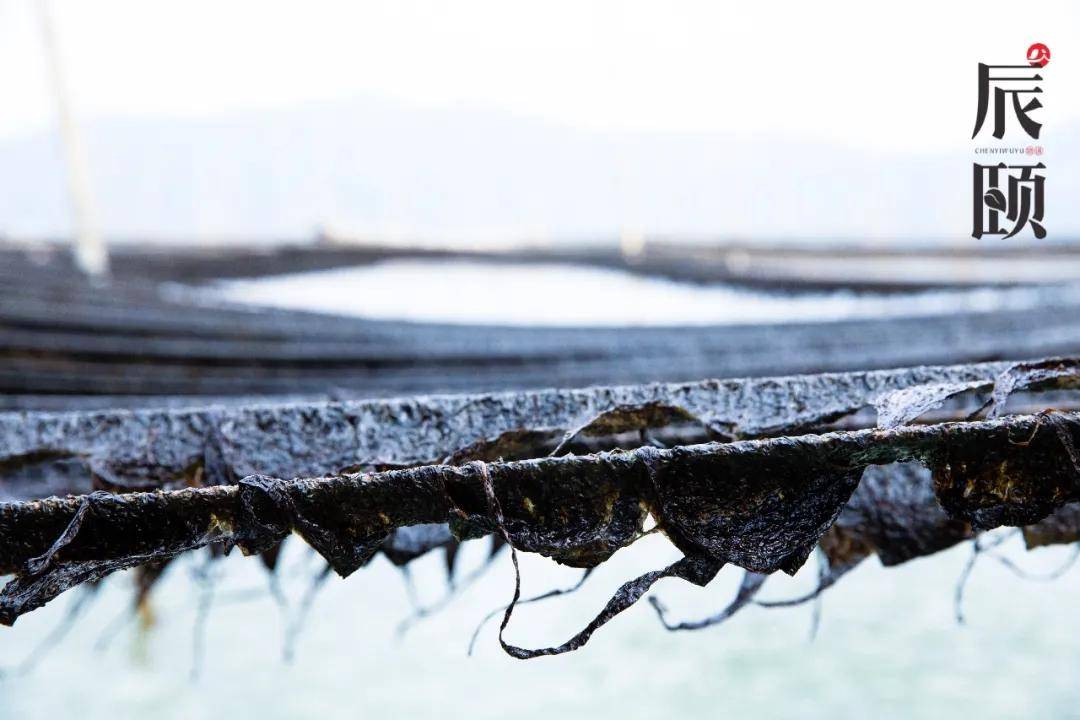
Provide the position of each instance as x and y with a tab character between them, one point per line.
1038	55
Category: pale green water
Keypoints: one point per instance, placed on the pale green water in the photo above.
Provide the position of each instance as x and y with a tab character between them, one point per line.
888	647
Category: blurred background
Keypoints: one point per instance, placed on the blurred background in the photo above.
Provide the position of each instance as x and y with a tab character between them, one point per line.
332	200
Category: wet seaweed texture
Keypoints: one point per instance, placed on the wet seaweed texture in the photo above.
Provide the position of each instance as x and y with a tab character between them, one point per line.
173	448
442	470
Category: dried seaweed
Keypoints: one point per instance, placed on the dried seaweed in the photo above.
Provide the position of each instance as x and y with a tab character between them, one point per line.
625	418
696	569
762	505
130	449
454	586
894	514
748	588
900	407
1013	478
1056	373
123	342
1059	528
405	544
979	545
557	592
1050	576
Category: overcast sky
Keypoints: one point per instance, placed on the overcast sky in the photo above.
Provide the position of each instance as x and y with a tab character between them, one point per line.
861	73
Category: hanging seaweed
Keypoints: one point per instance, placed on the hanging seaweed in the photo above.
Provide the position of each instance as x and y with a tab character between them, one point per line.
898	491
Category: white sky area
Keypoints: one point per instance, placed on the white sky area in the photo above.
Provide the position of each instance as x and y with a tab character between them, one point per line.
862	73
222	119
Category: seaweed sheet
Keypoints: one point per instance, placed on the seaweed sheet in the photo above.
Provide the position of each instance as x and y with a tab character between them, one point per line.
762	504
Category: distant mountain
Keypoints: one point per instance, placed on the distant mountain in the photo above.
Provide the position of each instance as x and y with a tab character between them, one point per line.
376	166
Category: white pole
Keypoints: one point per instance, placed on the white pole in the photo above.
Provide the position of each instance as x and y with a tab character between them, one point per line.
89	247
